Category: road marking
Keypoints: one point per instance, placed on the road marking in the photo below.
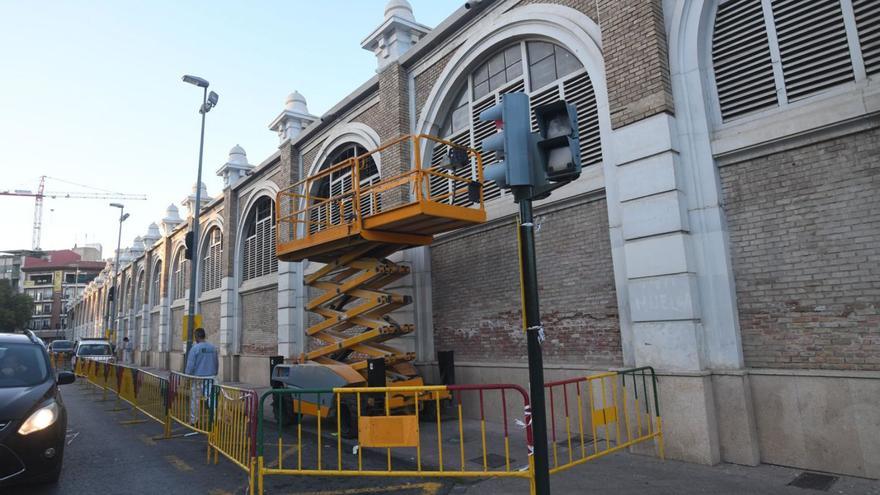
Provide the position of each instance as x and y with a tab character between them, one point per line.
429	488
71	436
219	491
179	463
147	440
287	453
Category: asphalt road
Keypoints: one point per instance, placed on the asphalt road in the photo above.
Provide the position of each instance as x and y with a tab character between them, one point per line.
104	456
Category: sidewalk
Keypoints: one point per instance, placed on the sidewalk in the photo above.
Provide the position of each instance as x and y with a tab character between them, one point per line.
630	474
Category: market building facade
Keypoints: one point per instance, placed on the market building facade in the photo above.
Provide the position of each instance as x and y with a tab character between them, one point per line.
724	229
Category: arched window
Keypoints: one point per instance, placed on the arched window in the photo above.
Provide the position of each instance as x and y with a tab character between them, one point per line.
126	300
259	240
769	53
211	260
339	183
139	293
155	283
544	71
179	269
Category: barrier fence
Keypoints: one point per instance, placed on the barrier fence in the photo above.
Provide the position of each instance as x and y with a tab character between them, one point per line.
596	415
454	431
416	432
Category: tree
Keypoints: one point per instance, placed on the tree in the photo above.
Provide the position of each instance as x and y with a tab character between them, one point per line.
15	309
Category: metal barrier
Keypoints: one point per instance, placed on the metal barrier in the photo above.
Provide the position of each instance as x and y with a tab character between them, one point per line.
614	411
235	427
61	361
151	392
365	413
191	401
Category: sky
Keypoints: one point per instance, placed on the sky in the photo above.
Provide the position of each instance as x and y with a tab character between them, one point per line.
91	94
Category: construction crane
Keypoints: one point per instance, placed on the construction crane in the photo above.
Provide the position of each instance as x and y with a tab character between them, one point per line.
351	223
41	194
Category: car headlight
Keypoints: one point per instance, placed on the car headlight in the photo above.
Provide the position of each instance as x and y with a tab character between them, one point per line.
41	419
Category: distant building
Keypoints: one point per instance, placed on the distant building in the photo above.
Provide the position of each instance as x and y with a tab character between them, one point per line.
52	279
10	265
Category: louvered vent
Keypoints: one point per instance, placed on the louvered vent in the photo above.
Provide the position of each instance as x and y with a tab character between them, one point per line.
579	91
441	187
741	59
868	24
549	95
482	130
813	45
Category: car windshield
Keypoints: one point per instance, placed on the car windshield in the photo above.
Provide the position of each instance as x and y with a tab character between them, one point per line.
62	345
22	365
94	350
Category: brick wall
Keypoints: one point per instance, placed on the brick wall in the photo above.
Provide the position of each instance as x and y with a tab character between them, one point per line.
425	81
804	235
176	329
636	59
586	6
394	106
210	311
154	331
259	322
476	289
372	117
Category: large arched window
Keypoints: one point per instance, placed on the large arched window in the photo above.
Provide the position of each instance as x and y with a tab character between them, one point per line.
544	71
211	255
126	301
139	293
179	269
259	240
339	183
155	283
769	53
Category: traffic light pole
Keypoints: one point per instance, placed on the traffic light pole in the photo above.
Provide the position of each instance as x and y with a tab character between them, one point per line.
534	337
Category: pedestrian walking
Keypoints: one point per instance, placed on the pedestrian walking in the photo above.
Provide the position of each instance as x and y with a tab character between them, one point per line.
127	351
203	362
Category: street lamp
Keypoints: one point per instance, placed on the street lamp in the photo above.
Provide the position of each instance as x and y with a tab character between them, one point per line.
208	102
112	318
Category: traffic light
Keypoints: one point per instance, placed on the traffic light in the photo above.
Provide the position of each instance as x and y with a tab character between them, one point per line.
512	143
558	143
531	161
188	246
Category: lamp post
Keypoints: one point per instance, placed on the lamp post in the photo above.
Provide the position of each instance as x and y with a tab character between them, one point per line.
209	100
112	318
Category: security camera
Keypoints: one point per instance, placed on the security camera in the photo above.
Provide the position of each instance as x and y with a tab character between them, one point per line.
472	3
212	98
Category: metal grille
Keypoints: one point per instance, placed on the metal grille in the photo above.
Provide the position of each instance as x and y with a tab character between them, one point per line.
579	91
211	261
482	130
440	185
179	275
155	282
867	13
259	245
813	46
741	59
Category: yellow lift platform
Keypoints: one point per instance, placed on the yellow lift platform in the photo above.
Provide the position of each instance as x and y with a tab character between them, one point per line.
352	220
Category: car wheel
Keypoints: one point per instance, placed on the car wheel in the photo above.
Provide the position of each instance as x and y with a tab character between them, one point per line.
348	419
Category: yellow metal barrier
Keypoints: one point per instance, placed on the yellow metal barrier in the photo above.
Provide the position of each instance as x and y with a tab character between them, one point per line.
597	415
426	443
191	401
235	426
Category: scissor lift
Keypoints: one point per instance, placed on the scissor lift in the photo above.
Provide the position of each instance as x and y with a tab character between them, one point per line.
352	232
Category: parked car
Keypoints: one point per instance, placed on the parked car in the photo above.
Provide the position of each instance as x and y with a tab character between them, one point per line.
33	419
96	349
65	347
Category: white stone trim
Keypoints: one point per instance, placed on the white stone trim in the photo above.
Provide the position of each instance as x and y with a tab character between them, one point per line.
349	132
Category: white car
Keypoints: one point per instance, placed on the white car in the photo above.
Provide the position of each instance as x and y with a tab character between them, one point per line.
96	349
